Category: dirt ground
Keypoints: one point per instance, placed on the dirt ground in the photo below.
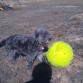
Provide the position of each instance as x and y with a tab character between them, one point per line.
65	23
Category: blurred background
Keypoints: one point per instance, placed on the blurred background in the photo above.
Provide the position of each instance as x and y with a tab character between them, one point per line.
57	2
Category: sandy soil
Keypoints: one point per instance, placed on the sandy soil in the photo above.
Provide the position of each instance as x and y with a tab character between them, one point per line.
63	22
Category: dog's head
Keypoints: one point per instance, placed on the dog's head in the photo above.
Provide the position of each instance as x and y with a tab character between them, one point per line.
43	37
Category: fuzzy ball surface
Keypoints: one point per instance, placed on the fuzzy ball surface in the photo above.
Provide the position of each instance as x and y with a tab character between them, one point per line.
60	54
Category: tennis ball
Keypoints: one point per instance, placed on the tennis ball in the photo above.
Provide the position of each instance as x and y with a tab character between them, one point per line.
59	54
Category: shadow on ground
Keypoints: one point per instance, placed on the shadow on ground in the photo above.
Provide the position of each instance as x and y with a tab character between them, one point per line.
41	73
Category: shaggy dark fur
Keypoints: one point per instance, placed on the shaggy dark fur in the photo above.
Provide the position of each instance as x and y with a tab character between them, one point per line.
29	46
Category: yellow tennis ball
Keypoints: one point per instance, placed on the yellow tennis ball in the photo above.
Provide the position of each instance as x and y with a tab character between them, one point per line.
59	54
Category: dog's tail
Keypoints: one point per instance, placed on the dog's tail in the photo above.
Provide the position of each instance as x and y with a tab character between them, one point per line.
3	42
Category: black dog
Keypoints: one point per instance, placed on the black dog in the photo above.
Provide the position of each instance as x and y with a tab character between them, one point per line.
30	46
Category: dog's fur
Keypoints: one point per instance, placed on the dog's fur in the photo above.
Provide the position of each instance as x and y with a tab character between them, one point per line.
30	46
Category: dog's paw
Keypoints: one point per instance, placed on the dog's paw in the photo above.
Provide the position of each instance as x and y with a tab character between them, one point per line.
44	59
29	67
